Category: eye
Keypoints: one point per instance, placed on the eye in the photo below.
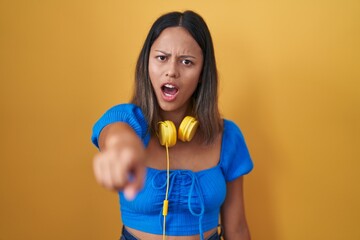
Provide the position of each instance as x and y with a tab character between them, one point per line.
187	62
161	58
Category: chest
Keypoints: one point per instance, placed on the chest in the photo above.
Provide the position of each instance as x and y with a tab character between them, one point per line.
189	192
192	156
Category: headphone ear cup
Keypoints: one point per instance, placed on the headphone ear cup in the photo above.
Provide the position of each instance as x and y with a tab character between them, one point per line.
187	129
167	133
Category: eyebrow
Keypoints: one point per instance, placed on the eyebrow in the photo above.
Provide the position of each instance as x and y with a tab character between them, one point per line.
181	56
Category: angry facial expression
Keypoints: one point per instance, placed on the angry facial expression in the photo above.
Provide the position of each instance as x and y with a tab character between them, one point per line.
175	65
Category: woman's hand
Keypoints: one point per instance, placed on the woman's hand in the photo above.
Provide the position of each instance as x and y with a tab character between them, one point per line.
119	165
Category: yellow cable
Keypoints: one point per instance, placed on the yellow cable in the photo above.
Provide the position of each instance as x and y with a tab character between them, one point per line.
166	202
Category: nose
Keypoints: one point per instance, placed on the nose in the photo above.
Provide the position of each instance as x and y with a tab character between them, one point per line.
172	70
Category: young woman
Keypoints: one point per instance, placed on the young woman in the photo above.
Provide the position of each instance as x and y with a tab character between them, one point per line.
168	188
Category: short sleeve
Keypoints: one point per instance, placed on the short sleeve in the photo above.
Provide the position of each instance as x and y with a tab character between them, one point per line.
235	159
128	113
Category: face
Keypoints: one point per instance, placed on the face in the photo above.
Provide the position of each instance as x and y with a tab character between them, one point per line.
175	65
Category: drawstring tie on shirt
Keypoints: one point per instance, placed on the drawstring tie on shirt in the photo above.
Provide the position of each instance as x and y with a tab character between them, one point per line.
195	186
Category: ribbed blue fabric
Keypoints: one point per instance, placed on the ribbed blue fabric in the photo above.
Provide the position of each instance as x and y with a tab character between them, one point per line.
195	198
128	113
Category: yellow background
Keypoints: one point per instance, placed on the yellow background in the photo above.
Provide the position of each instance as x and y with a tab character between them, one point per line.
289	72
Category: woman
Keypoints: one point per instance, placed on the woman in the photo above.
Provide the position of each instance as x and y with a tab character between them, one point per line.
178	192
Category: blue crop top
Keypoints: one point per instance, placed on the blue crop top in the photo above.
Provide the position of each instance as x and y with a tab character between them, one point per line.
195	198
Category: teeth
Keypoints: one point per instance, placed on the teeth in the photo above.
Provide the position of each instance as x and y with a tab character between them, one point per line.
169	86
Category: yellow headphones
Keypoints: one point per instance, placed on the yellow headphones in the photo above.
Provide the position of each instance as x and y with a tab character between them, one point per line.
167	131
167	137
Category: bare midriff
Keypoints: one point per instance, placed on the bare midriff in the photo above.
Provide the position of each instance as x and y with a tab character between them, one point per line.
149	236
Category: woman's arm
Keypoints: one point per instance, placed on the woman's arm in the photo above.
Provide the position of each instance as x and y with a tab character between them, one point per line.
120	163
233	217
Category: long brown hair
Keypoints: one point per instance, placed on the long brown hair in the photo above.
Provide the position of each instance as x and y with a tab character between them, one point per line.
205	98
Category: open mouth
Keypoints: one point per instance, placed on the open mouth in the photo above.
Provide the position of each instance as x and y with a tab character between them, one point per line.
169	90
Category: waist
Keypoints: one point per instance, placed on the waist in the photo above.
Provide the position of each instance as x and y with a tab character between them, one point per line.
133	234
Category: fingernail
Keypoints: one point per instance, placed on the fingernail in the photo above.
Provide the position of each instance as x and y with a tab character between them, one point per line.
129	194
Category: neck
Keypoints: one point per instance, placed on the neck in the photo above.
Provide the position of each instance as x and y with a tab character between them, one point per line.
175	116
